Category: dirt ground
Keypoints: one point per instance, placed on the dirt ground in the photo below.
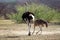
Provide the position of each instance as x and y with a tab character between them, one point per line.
19	27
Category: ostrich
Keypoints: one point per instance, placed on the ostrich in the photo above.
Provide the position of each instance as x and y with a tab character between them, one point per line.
40	23
28	17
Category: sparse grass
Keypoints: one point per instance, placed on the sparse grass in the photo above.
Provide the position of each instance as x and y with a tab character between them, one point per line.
36	37
19	27
6	22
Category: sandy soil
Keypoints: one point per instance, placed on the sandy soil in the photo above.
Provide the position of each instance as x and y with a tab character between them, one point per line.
20	31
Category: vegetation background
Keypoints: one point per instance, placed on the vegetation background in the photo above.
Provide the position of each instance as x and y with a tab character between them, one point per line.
14	9
41	12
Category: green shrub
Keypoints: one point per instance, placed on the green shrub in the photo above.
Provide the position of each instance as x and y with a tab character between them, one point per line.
44	12
40	11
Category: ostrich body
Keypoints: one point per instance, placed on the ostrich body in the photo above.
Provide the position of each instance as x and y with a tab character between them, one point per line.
28	17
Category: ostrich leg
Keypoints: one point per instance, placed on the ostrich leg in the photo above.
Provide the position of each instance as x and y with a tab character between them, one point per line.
29	29
29	26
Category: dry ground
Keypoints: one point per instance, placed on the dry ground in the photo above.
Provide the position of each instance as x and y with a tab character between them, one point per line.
19	27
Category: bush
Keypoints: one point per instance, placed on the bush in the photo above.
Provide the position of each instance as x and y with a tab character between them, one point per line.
40	11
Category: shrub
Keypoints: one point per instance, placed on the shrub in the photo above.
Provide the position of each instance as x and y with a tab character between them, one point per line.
40	11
